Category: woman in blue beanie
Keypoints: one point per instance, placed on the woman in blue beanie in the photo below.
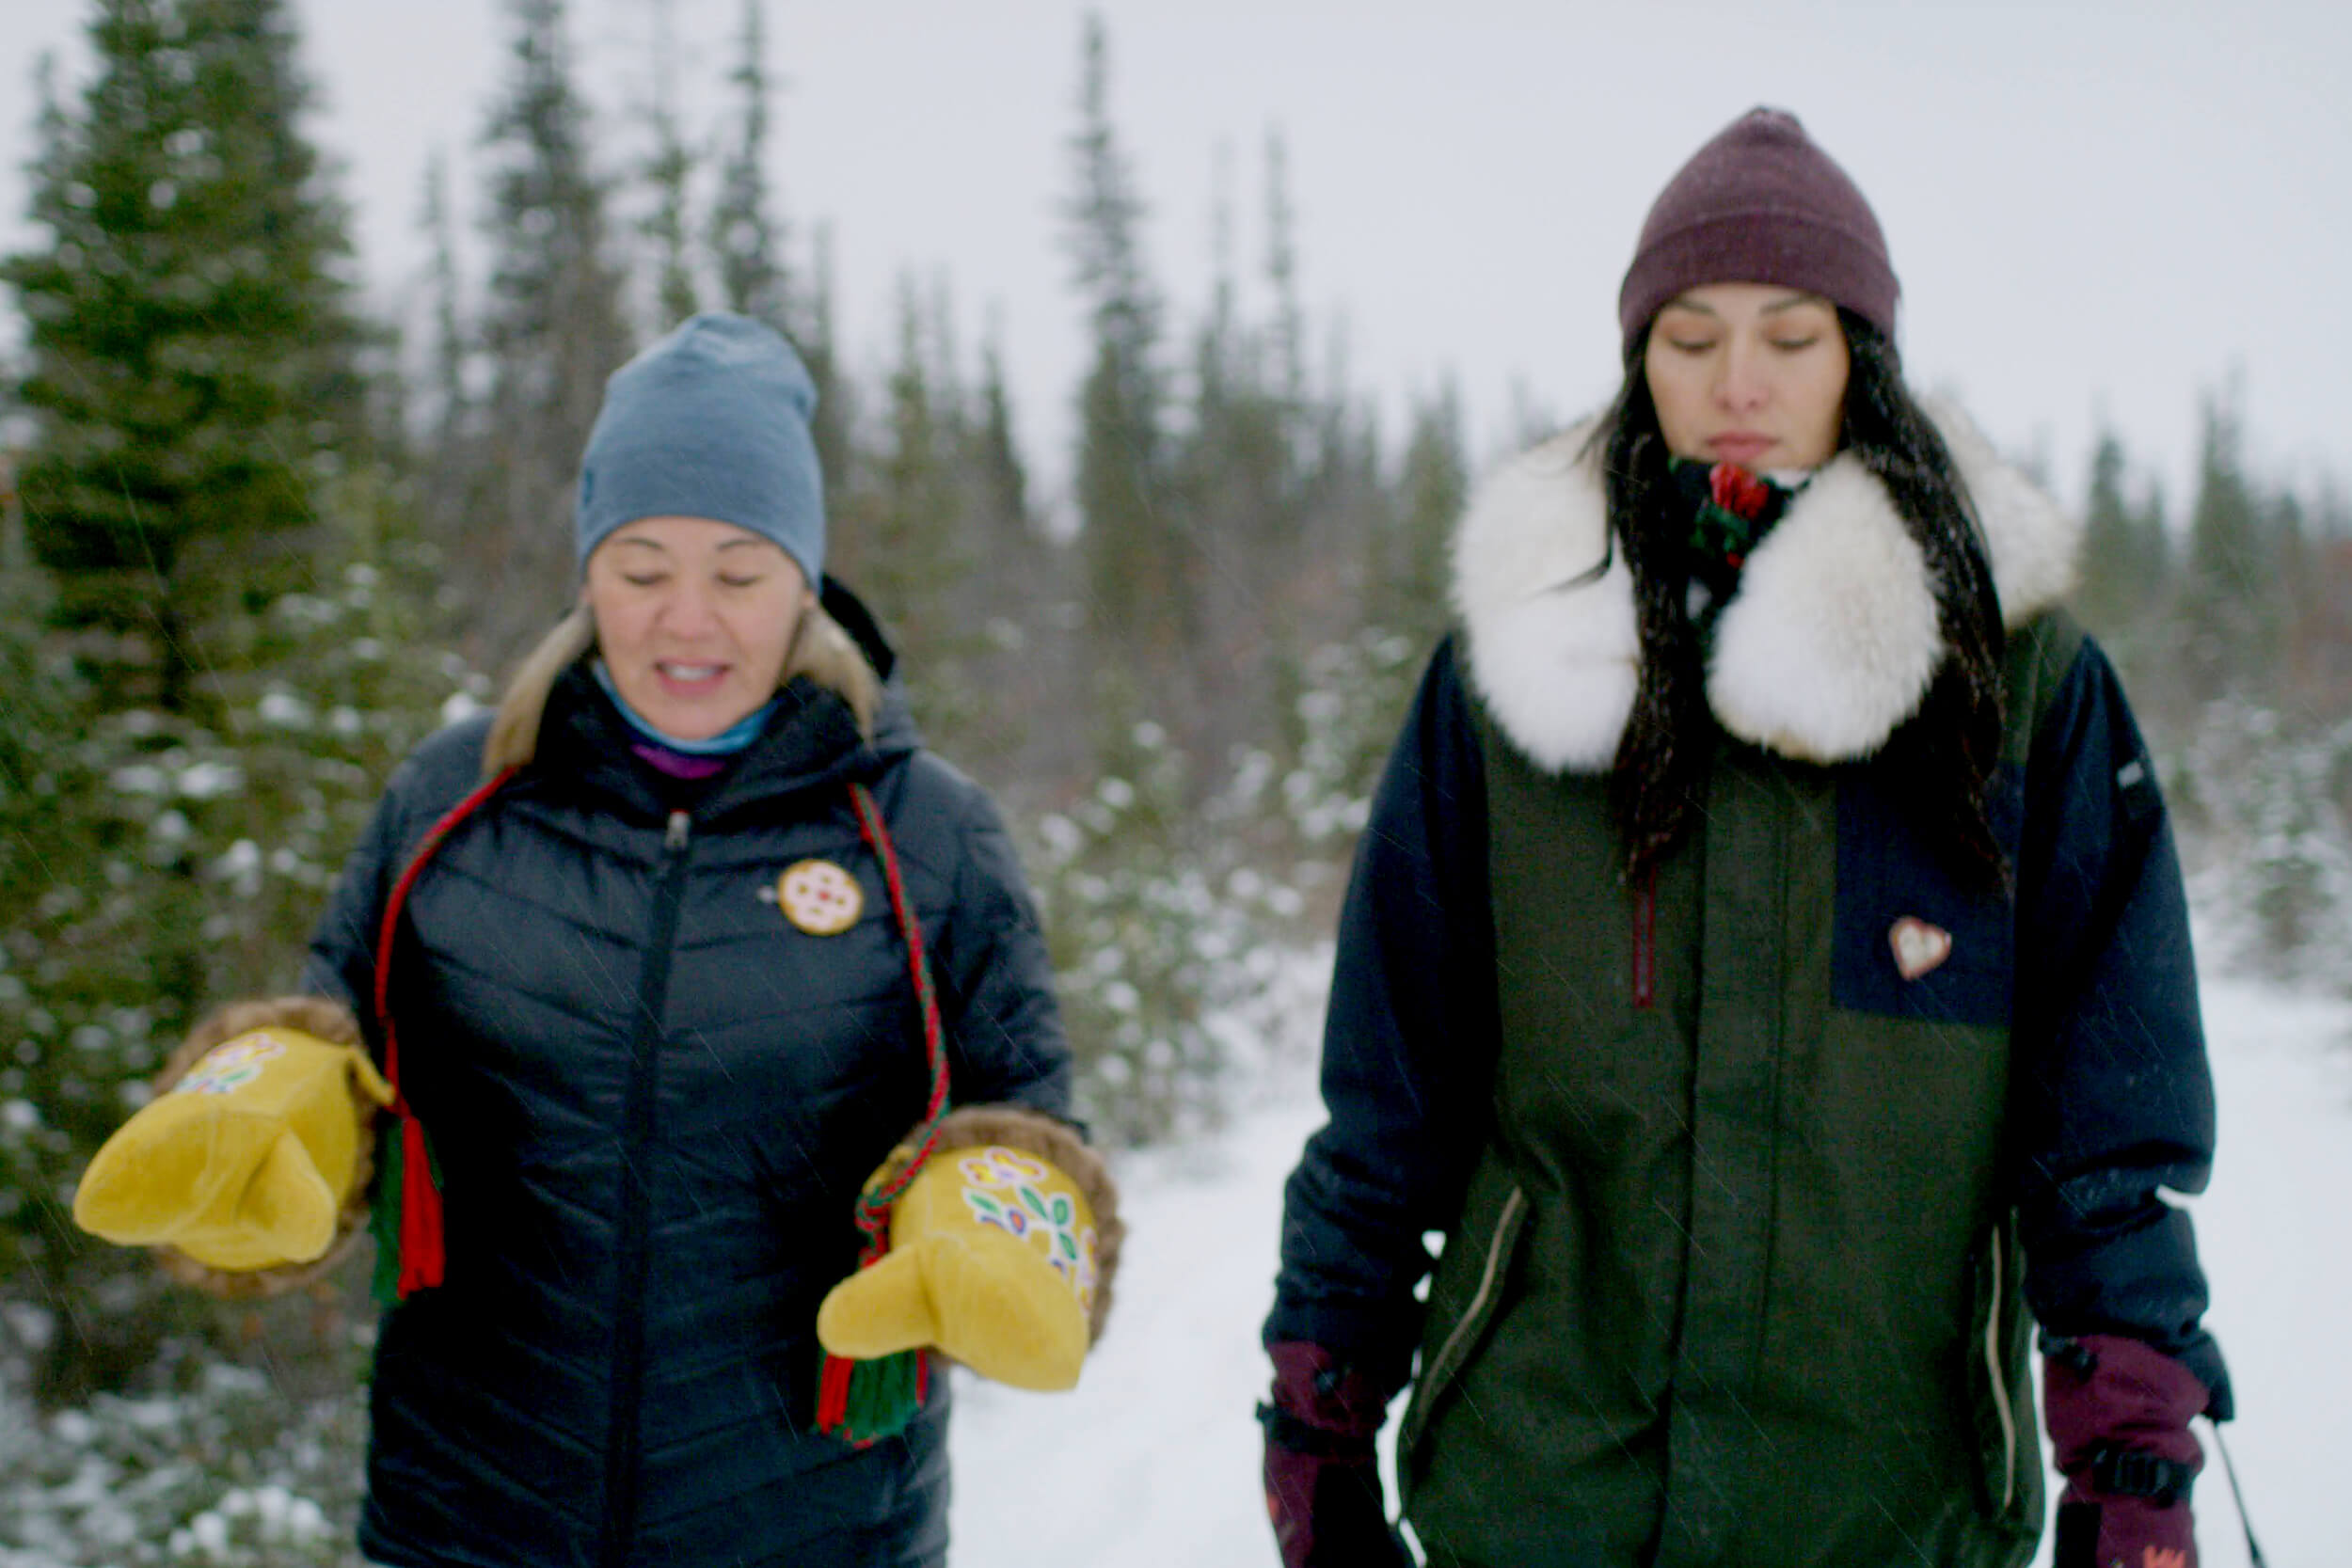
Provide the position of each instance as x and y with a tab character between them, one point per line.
663	958
1765	968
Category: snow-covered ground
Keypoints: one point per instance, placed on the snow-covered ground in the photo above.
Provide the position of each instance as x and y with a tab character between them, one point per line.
1152	1463
2277	1241
1154	1458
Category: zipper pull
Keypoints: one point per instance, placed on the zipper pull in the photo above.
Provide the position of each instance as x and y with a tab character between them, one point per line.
1645	943
673	839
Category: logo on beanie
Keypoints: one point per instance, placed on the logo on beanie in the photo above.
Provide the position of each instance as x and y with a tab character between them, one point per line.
818	896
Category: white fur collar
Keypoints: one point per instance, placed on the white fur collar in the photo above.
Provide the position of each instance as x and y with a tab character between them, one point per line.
1829	643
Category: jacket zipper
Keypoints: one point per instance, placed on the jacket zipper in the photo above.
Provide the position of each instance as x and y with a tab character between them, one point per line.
1992	1361
639	1125
1507	1227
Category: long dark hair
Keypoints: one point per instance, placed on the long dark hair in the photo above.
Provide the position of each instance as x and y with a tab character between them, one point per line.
1942	757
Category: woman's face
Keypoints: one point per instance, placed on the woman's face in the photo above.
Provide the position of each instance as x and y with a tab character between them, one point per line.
695	619
1749	373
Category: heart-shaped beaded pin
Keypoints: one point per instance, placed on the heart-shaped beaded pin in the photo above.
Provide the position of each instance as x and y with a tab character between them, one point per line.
1918	946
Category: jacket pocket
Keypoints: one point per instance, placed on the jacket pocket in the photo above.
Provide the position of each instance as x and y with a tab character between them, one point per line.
1460	1340
2000	1386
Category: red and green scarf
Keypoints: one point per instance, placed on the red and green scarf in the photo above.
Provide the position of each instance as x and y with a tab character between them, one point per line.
1717	514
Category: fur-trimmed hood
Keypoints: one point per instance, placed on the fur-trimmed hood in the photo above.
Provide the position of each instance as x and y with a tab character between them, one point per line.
1829	643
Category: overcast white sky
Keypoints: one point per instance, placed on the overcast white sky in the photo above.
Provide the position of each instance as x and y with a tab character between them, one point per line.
2097	206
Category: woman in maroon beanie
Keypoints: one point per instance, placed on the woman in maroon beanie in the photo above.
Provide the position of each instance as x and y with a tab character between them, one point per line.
1767	972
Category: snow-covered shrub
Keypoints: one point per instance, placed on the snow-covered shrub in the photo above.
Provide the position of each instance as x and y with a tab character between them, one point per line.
2263	799
1171	917
156	860
1162	933
195	1465
1348	715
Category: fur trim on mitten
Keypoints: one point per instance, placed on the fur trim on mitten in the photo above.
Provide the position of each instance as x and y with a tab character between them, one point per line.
313	1015
323	1020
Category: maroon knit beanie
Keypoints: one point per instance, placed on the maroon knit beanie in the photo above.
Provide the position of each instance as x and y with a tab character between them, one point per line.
1760	205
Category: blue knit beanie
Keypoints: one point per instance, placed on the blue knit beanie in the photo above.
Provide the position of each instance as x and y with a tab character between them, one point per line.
711	422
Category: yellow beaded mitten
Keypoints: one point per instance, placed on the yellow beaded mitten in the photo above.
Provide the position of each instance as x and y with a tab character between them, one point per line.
1001	1255
256	1155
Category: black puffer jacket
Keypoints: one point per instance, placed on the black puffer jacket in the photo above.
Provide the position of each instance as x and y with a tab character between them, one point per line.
653	1100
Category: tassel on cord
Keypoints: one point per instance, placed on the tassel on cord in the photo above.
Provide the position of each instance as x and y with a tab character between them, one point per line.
863	1401
412	1253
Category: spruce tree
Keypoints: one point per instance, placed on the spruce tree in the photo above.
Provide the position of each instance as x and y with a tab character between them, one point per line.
746	238
748	242
1020	599
835	420
2106	553
213	527
1000	478
179	861
194	365
1346	498
900	540
1358	686
1288	347
2230	594
670	171
2321	649
552	329
2126	558
445	373
1411	578
1234	486
1140	571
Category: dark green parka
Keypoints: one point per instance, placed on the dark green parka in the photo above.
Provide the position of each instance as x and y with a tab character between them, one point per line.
1747	1176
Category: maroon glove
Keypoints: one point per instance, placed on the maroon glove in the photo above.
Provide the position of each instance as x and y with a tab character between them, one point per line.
2119	1415
1322	1484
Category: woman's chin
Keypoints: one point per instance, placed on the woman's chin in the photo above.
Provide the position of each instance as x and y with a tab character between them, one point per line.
689	721
697	725
689	711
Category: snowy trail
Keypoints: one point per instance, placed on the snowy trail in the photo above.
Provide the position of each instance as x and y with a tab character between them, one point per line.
2276	1240
1152	1462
